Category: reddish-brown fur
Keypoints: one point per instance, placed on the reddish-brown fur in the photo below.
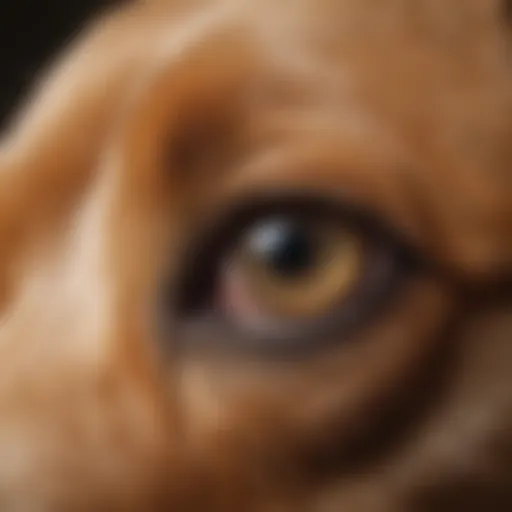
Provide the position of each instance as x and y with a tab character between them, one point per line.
158	117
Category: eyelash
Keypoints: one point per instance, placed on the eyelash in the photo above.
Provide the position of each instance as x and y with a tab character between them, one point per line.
391	261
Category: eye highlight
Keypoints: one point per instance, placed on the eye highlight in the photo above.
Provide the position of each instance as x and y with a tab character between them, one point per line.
284	272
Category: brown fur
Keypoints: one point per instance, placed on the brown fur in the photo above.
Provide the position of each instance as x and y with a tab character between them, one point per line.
404	107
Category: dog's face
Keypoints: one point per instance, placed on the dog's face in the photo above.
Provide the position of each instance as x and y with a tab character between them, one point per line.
255	256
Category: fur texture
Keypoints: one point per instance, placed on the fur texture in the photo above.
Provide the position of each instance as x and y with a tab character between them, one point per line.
155	119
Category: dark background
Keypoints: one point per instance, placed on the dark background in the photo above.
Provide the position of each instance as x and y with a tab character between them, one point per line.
31	31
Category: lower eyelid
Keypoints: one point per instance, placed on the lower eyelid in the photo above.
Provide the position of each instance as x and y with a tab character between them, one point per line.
234	299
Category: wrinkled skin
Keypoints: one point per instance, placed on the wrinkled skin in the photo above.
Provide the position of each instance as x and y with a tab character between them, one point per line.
403	107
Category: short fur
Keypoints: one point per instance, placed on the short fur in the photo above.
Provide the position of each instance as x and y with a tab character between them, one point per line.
152	121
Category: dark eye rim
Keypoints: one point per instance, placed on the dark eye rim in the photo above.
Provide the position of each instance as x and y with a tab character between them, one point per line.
190	308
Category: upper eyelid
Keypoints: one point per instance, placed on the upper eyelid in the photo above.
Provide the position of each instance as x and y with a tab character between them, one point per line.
242	209
357	210
220	230
370	188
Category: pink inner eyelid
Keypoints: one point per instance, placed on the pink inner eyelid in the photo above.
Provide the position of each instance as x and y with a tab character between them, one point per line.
235	300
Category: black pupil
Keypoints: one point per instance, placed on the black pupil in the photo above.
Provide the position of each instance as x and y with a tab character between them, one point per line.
286	247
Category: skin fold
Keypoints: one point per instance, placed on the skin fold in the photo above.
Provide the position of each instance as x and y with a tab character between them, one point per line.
153	123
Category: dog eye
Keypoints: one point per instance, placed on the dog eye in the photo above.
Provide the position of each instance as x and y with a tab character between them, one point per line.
286	270
283	273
